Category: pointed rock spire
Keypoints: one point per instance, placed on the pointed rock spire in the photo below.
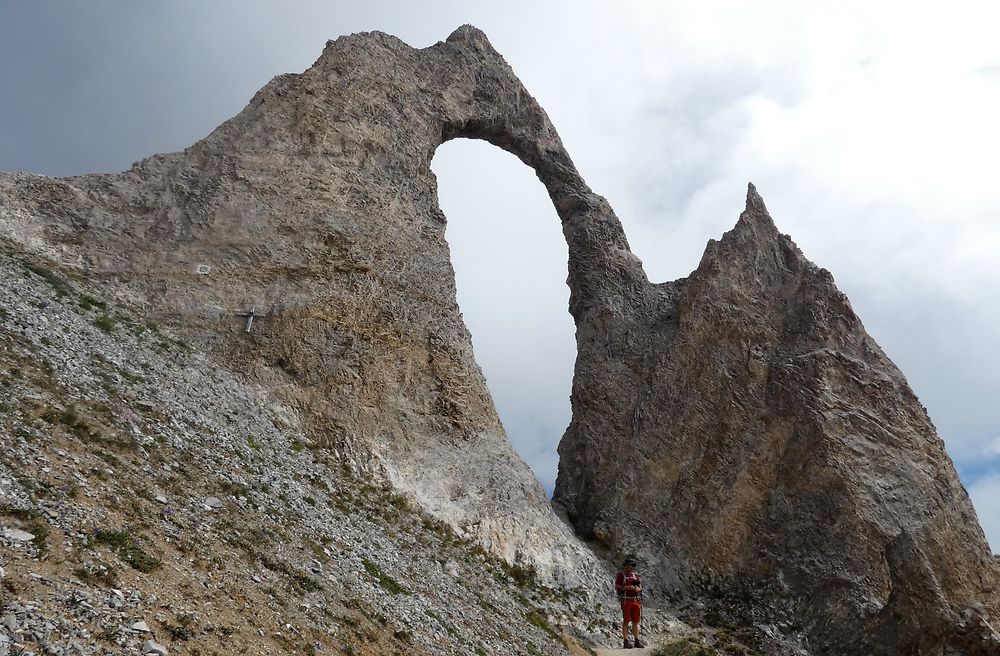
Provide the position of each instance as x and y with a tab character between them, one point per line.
768	421
756	213
754	202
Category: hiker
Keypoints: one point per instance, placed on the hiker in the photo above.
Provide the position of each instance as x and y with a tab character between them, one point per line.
629	589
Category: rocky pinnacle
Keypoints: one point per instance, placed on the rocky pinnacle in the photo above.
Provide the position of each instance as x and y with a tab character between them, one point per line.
739	428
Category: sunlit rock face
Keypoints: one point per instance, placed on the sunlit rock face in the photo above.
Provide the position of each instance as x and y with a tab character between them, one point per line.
740	429
738	426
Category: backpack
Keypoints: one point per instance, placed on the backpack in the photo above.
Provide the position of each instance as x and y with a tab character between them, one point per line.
625	594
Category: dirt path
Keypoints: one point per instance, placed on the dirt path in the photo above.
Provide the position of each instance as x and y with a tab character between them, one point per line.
645	651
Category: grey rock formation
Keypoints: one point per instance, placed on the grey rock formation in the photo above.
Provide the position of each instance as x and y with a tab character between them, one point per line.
316	209
17	535
738	425
740	429
918	617
153	647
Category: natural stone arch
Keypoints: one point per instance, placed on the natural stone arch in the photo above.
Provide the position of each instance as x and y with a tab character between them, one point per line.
498	109
316	206
755	303
315	202
510	260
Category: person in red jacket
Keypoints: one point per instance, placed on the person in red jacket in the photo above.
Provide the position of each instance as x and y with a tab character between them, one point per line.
628	585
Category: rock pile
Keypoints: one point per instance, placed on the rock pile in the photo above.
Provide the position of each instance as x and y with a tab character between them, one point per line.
170	501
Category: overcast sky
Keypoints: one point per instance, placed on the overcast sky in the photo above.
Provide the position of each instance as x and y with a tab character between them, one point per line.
870	129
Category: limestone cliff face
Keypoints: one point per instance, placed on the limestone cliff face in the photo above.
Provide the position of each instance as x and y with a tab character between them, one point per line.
740	428
316	206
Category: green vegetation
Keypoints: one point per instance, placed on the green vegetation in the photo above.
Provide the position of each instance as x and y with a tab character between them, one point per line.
523	576
386	581
684	648
440	620
399	502
34	523
130	377
316	548
109	633
100	574
178	632
85	431
75	424
105	323
40	530
57	282
537	618
436	526
487	606
302	581
393	507
24	514
90	303
129	549
235	489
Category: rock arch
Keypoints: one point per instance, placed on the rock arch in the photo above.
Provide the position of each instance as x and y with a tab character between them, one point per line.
317	206
316	202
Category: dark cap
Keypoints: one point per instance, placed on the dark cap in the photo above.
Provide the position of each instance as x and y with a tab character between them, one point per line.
629	561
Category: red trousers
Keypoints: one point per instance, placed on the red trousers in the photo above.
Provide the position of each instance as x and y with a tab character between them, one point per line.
631	610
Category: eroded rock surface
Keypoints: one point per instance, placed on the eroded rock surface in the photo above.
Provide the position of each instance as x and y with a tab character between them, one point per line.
741	429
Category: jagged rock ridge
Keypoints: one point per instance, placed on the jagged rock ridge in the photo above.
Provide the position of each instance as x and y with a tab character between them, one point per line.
741	428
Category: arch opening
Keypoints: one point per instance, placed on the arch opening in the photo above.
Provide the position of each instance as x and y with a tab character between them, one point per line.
503	233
